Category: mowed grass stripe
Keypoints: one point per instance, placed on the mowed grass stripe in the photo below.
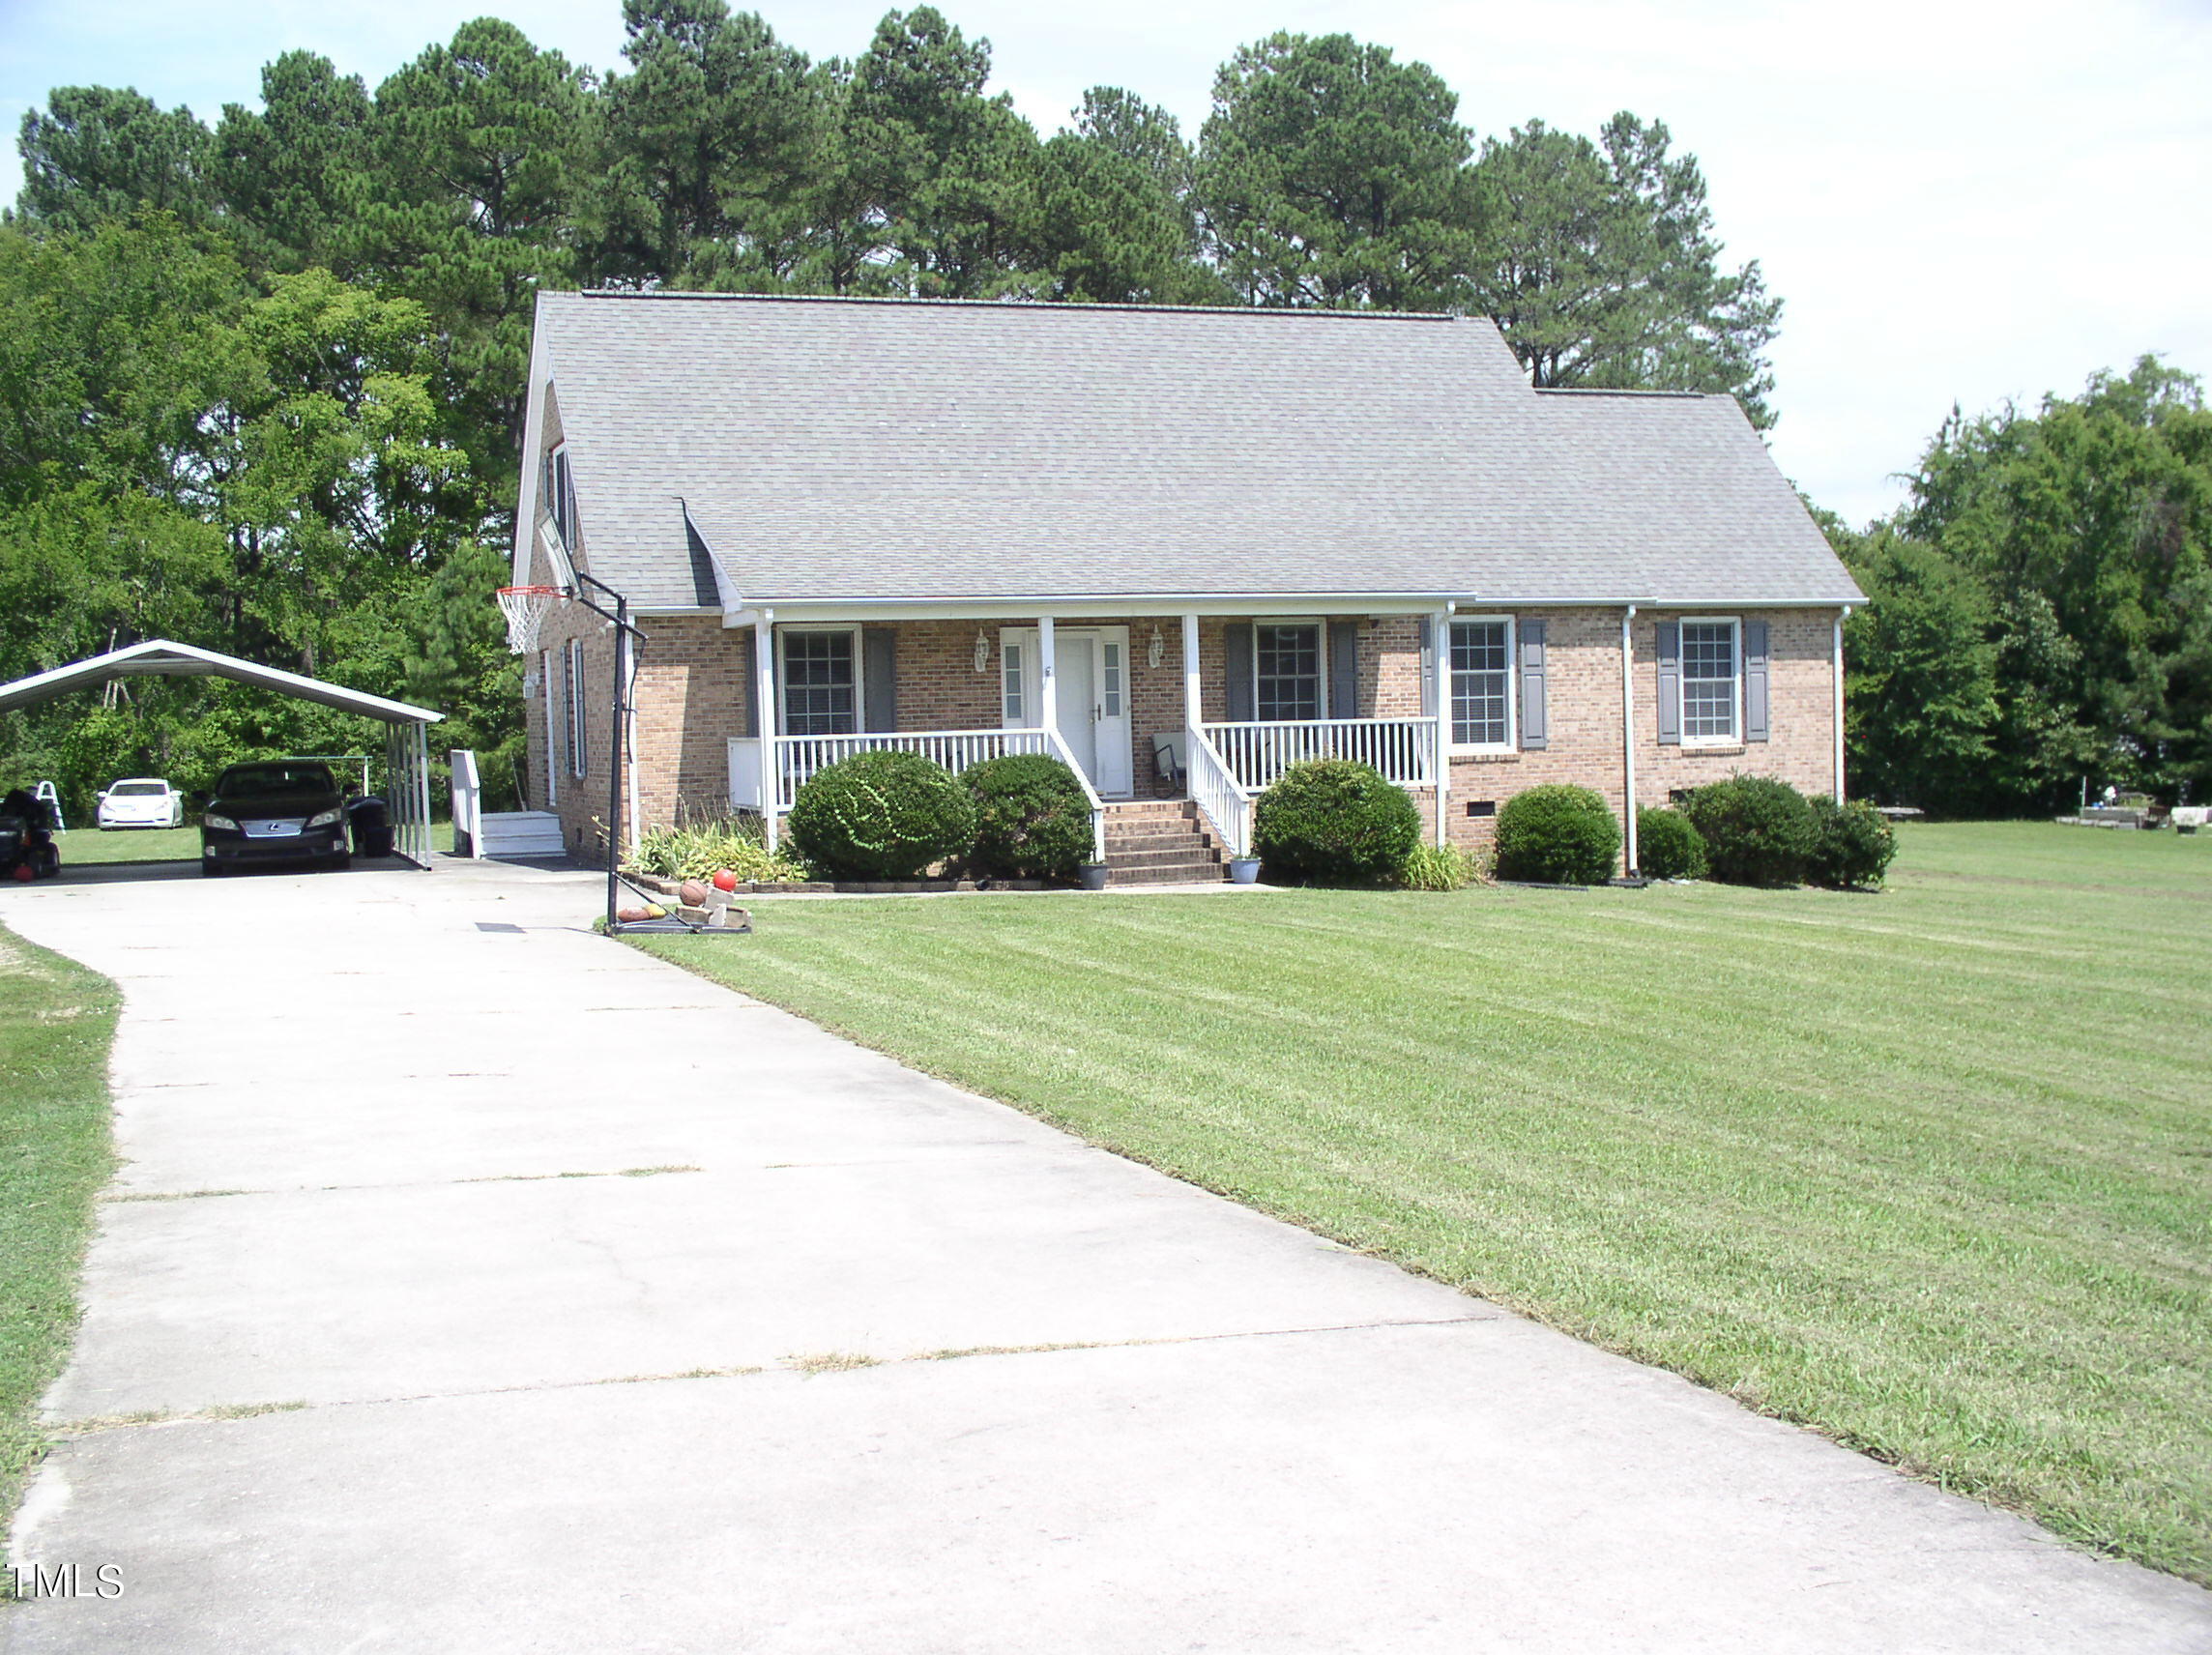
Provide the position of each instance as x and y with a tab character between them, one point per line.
1929	1170
57	1022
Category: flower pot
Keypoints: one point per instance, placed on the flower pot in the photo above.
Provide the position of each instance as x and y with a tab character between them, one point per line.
1244	870
1092	874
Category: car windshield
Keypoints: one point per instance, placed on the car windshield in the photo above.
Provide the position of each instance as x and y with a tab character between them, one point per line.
138	789
261	781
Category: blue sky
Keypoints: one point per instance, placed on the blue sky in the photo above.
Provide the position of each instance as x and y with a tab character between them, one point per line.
1959	203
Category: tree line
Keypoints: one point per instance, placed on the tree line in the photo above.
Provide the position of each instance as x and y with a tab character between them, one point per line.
262	383
2042	608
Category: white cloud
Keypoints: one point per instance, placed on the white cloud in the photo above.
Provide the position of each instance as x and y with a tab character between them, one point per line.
1959	203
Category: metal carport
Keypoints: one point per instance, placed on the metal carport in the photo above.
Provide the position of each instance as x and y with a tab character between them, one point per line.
407	746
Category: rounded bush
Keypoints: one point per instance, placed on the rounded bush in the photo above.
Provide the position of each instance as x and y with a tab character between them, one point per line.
1031	820
1854	848
1668	846
1330	819
1757	829
1558	834
881	815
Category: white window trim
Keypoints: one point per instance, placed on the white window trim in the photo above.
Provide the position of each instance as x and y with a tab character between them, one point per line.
783	685
1318	625
1512	741
1016	638
1735	624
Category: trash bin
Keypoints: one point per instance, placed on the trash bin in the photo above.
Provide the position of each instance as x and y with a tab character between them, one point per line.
370	820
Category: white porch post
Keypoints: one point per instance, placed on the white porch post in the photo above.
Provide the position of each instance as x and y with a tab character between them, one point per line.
1048	677
1440	664
1842	615
1193	692
766	720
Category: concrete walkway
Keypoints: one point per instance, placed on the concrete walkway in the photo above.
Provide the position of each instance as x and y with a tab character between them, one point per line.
493	1286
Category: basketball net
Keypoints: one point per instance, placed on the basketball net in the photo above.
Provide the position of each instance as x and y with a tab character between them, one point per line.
525	608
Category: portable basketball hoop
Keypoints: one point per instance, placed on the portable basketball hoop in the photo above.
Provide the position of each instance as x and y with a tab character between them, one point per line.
525	608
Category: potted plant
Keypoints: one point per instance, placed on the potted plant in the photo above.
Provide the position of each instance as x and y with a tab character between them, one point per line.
1244	870
1091	874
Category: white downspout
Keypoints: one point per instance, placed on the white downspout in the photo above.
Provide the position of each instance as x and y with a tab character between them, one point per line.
1842	615
1628	735
764	706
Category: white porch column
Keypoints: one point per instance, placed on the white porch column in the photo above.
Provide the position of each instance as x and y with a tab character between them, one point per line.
766	720
1193	692
1842	615
1440	664
1048	677
1630	855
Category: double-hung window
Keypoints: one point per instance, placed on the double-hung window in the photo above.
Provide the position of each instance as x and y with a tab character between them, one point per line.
561	497
1286	671
821	683
1482	684
1712	681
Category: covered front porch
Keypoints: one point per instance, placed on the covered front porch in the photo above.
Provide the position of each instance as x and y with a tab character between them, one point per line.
1211	708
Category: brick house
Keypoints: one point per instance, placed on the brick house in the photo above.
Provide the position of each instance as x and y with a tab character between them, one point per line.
1178	548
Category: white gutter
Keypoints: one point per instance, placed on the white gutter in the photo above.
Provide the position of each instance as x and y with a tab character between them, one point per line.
1628	737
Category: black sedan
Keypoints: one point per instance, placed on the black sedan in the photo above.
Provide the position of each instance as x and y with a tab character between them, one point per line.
280	810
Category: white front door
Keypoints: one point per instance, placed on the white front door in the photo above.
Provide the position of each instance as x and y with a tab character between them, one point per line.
1093	696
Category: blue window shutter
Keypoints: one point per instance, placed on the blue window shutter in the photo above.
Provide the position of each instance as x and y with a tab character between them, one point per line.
748	651
1237	665
1535	727
1671	683
1428	667
1344	669
1755	681
879	678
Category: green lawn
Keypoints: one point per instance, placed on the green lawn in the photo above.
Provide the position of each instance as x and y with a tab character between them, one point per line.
1930	1171
56	1023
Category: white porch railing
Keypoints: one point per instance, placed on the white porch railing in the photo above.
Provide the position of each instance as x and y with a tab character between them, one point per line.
1402	749
796	758
1218	792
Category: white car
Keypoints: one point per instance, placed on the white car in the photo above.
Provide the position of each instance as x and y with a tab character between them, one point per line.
143	802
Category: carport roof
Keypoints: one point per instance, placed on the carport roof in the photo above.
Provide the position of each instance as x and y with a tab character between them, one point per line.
158	657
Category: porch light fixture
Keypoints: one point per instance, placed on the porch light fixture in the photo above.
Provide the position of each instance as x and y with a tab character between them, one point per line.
1156	649
982	650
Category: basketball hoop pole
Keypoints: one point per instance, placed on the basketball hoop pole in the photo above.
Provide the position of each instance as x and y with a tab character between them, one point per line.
626	638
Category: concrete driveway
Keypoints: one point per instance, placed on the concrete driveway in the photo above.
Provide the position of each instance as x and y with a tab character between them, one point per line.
474	1284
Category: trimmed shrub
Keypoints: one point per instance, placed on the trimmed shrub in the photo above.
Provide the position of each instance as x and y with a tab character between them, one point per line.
1757	829
1330	819
1558	834
1438	867
697	850
1031	820
1854	848
881	815
1668	846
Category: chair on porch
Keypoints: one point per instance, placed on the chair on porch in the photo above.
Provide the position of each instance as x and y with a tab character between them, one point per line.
1169	769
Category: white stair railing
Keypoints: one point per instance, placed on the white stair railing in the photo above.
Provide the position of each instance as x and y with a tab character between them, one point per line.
1062	752
1218	792
1254	753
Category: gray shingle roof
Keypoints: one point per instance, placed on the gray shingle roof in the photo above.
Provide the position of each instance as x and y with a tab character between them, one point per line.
852	449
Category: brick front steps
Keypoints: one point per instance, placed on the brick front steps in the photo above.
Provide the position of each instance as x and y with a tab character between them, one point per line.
1160	841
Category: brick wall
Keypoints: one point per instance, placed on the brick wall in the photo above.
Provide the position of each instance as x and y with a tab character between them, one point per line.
1582	701
694	688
